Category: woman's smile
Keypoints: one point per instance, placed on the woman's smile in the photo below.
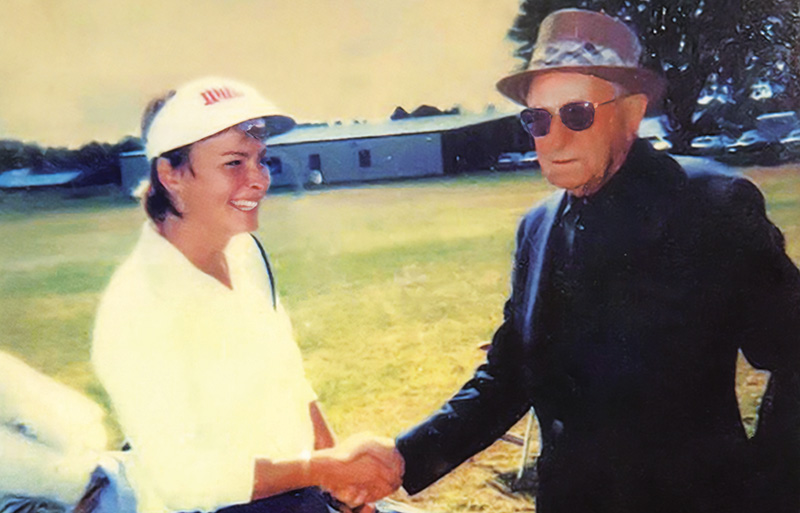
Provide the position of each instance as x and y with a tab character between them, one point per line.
244	205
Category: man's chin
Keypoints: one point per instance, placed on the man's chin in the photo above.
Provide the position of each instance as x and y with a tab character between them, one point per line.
561	179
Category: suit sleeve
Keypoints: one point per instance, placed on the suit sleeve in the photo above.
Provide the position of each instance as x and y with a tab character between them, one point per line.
768	309
484	408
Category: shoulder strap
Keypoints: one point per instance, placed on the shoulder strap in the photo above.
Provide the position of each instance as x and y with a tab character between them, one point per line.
269	272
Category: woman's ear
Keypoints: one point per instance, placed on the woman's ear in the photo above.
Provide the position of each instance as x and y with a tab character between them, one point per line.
173	179
170	177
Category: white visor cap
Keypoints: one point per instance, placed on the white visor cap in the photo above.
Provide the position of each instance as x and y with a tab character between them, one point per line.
207	106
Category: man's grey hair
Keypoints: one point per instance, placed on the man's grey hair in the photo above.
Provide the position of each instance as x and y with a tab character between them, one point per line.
620	91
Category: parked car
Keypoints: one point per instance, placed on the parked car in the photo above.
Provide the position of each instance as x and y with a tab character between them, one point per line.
652	130
658	143
508	161
750	141
791	143
775	125
695	164
711	144
753	148
529	159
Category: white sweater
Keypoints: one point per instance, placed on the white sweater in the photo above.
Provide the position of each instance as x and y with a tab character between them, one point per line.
204	379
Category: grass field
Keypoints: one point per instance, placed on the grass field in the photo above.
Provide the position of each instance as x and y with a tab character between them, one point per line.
390	287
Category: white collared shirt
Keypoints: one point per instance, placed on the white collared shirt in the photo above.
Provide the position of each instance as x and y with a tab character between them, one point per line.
203	379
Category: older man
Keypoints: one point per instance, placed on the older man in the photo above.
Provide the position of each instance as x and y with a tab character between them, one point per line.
633	291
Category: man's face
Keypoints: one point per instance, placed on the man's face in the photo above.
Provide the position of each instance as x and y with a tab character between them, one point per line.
581	162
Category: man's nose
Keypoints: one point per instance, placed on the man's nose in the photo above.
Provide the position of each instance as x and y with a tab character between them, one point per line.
558	136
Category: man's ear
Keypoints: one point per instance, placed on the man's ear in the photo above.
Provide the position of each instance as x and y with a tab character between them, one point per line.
170	177
635	107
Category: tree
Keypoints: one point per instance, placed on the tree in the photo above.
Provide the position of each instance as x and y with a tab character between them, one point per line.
735	44
12	155
98	161
399	113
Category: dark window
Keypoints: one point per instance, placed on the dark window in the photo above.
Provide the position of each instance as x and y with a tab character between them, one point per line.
275	166
364	158
314	162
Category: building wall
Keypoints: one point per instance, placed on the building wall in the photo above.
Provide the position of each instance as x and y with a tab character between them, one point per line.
400	156
476	147
134	168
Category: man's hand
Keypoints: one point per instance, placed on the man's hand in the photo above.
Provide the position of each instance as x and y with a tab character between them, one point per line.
362	469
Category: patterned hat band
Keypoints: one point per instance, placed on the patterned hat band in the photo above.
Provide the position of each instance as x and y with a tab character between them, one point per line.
576	53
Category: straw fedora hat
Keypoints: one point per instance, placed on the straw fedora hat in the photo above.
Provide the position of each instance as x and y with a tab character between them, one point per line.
588	42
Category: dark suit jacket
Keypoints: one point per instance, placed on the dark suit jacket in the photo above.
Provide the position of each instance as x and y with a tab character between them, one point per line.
633	379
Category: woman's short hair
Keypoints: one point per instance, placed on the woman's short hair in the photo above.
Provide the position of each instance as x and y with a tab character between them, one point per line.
157	202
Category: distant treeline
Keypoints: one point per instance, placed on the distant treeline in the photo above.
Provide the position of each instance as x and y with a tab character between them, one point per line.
98	161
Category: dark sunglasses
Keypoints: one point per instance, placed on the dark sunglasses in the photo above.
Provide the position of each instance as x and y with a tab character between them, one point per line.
576	116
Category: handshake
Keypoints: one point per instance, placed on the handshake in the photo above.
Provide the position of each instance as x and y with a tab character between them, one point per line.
360	470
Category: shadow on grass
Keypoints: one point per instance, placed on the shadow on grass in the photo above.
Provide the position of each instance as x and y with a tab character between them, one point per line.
22	202
516	486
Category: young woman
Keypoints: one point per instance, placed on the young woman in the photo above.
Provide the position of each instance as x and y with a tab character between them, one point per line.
192	344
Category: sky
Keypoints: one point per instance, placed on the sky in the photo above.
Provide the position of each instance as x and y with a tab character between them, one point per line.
73	71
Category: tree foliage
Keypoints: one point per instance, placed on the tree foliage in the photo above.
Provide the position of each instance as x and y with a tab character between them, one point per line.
99	161
728	46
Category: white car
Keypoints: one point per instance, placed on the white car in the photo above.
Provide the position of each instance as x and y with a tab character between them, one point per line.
507	161
659	143
750	141
791	142
529	159
711	144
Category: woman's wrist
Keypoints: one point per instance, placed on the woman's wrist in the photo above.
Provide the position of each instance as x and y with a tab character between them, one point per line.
309	469
315	468
321	468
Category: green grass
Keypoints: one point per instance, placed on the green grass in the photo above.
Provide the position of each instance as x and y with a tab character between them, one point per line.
391	287
395	284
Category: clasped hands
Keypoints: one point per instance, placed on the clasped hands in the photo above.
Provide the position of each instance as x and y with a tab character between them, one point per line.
360	470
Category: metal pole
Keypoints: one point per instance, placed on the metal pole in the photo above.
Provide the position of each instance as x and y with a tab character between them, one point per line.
526	446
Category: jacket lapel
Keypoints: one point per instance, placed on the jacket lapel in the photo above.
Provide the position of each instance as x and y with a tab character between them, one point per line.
536	242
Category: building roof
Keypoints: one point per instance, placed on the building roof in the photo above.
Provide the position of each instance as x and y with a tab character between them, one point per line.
419	125
132	154
19	178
